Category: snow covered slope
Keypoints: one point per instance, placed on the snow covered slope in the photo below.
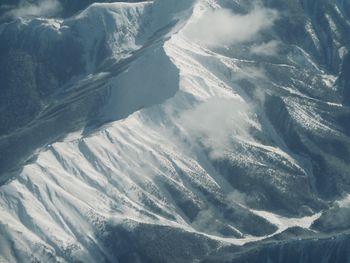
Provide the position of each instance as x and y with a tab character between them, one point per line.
178	131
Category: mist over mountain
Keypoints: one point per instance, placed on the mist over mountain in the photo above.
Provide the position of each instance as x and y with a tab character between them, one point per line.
175	131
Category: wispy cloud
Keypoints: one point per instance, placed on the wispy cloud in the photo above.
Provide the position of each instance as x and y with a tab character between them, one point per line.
215	121
266	49
41	8
222	27
250	73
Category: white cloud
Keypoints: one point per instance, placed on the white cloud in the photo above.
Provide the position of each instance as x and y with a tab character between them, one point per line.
266	49
250	73
215	121
258	77
238	197
41	8
222	27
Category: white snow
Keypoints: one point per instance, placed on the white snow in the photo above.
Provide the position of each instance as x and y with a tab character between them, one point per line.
284	223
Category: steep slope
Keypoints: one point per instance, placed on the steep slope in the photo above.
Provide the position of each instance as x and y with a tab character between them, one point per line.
65	66
178	144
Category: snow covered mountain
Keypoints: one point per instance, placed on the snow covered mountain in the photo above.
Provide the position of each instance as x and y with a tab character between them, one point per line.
175	131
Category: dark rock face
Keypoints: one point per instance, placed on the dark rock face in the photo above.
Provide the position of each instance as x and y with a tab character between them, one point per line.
32	70
147	243
20	103
331	249
344	81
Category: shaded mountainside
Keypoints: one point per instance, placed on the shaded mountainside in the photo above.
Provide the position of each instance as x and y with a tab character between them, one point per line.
56	8
163	132
59	72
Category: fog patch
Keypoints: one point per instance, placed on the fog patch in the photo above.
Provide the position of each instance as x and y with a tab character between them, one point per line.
266	49
204	220
237	197
44	8
222	27
215	122
250	73
211	222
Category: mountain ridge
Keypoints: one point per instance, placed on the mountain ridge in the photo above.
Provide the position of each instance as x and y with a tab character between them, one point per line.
173	149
